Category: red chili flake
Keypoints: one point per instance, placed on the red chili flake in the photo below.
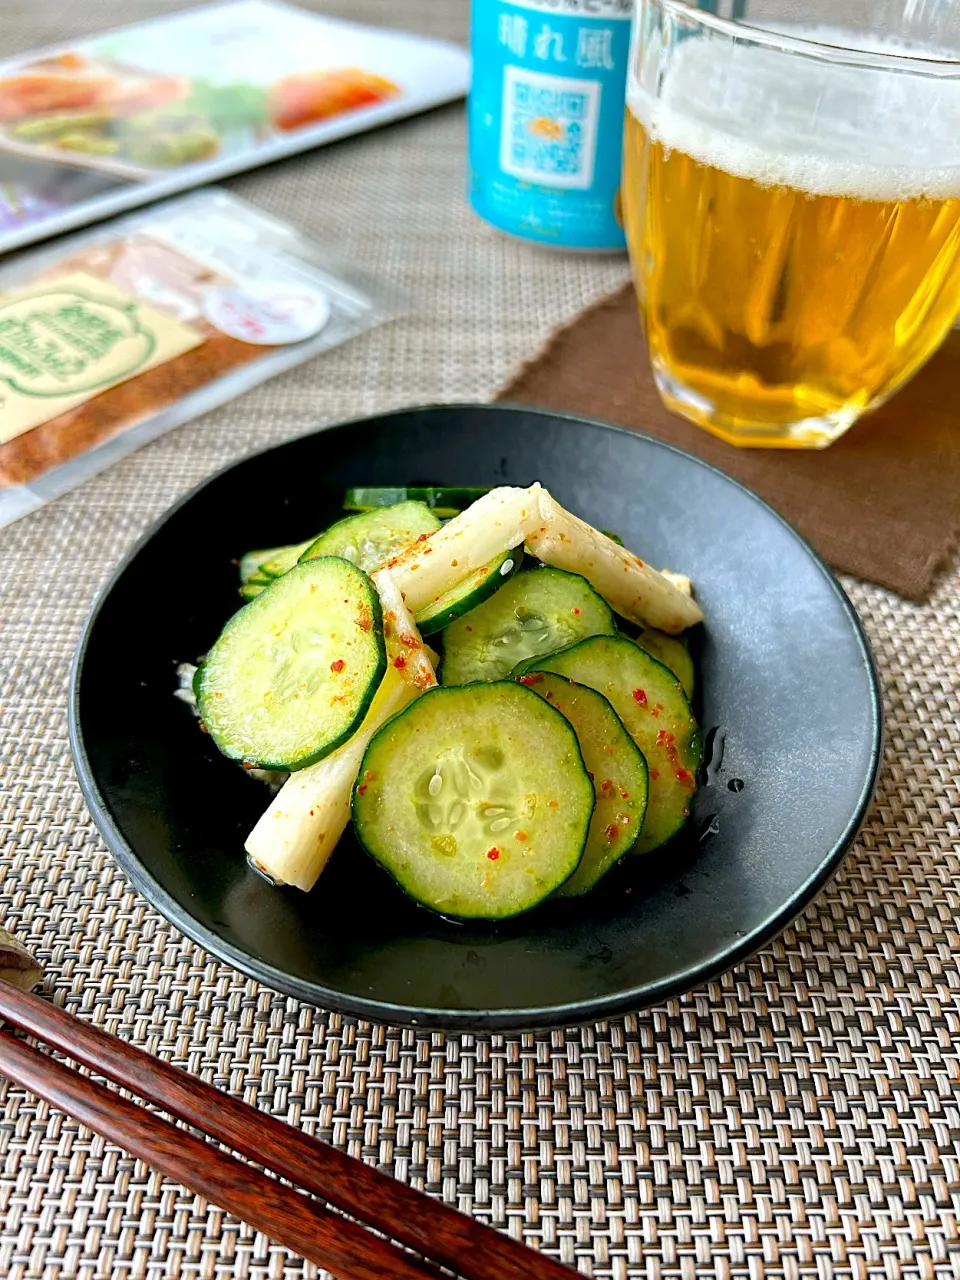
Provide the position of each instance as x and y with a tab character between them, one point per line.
454	563
532	678
612	831
685	776
654	773
552	804
640	697
361	789
369	776
606	786
423	537
469	628
338	665
234	561
203	727
577	612
410	641
311	813
249	764
624	795
520	835
590	775
664	738
493	854
399	662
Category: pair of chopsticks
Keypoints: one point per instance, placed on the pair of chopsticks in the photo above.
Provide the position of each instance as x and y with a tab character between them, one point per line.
441	1236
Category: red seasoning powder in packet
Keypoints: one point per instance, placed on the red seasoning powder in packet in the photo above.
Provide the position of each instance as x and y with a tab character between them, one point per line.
147	323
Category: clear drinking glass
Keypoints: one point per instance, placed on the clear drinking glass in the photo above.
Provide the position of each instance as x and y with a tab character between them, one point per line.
791	196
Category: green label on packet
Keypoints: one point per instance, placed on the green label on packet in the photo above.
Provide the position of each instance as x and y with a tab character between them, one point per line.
69	337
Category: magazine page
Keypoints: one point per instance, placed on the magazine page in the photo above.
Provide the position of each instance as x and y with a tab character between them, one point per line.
104	124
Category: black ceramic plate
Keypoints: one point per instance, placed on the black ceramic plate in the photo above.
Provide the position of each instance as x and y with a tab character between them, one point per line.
788	698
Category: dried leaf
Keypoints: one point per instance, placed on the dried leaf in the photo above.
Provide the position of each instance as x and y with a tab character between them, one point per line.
17	965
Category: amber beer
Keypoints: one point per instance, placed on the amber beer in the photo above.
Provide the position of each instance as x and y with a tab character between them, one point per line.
786	286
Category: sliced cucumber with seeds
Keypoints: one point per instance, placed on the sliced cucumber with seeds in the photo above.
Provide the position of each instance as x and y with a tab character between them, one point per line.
480	585
535	613
650	701
673	652
250	590
616	766
284	558
374	537
293	672
444	502
476	800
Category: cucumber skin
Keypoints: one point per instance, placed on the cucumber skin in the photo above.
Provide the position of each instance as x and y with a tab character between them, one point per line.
443	500
376	612
385	728
430	626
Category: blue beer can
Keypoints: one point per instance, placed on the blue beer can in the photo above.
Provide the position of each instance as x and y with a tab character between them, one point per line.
545	118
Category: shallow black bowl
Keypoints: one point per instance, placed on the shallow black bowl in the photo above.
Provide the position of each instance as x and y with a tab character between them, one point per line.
788	698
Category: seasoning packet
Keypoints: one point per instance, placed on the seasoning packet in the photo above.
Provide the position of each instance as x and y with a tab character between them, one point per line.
115	335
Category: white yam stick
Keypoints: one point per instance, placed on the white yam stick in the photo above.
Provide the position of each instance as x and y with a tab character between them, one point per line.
495	523
679	580
294	839
629	586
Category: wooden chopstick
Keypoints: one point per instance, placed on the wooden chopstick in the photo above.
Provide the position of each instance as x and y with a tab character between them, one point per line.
296	1221
440	1233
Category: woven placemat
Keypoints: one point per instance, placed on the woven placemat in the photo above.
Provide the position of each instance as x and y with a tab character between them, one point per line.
796	1118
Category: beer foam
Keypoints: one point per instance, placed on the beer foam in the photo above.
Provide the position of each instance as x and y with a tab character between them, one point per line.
819	126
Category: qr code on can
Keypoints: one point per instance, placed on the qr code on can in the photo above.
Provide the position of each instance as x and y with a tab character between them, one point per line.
549	131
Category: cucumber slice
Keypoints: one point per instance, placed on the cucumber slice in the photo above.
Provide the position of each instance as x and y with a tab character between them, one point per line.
537	612
444	501
618	770
284	558
476	800
250	564
472	591
650	701
292	673
250	590
673	652
374	537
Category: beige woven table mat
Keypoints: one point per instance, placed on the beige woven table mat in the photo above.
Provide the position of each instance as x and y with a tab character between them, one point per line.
799	1117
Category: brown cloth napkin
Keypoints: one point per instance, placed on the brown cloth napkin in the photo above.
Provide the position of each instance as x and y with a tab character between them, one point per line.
883	503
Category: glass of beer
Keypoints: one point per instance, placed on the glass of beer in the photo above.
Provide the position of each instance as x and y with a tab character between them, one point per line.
791	196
